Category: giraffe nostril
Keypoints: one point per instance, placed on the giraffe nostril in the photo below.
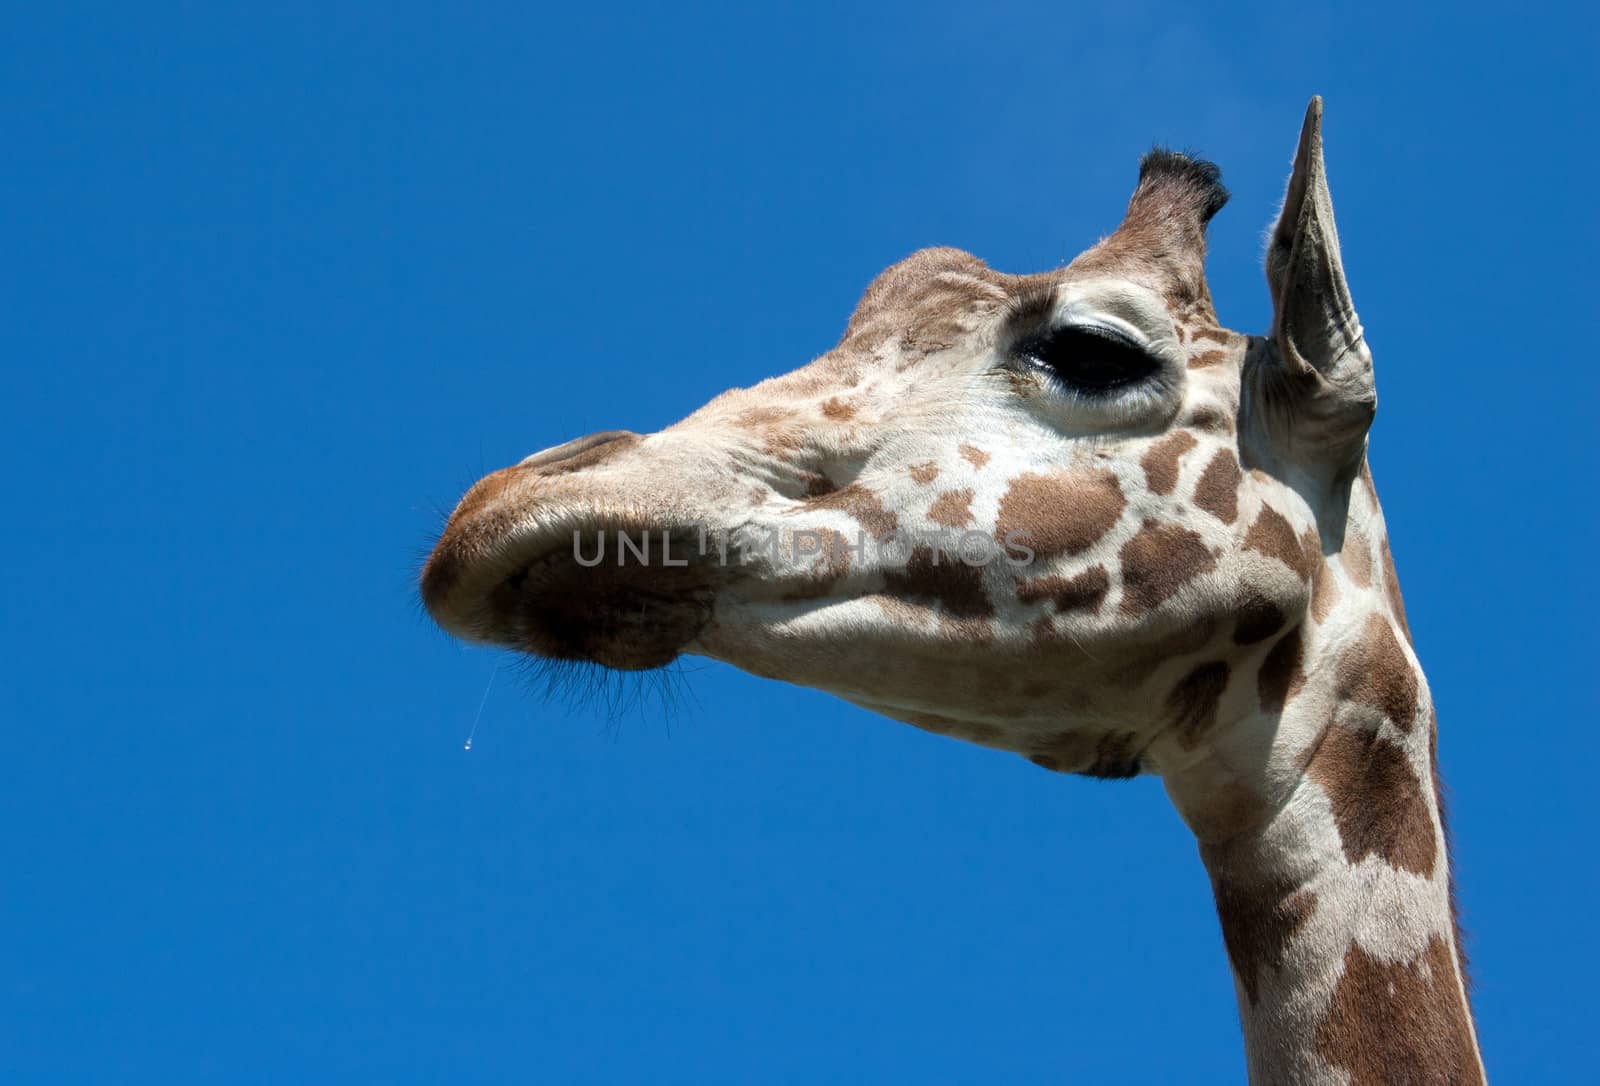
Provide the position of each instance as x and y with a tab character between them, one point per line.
581	452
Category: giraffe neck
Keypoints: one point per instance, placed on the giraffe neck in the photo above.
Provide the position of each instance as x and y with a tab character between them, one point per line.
1327	854
1340	965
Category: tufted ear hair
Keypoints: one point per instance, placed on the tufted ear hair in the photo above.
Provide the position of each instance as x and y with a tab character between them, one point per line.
1162	238
1325	369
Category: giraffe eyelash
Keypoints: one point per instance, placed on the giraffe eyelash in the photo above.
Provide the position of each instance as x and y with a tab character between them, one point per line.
1030	307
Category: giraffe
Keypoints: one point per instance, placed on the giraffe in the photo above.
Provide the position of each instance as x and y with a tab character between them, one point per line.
1069	516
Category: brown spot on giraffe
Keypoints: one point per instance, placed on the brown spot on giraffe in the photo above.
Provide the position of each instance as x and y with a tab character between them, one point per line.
1377	800
1217	491
1160	462
1273	536
1259	914
933	577
1209	420
1084	592
836	409
1356	556
1193	701
1324	592
1394	1023
1281	676
1257	619
1207	358
1376	672
952	509
1063	512
1158	562
925	472
862	504
973	455
1215	335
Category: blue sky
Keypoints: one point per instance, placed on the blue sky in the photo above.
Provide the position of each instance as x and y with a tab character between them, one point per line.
277	288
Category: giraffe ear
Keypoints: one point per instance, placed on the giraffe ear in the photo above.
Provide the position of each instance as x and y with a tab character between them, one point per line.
1325	365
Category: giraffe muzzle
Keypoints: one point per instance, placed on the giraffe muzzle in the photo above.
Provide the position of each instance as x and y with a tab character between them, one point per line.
539	559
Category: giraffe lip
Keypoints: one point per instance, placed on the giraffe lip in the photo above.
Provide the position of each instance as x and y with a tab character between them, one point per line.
627	617
527	589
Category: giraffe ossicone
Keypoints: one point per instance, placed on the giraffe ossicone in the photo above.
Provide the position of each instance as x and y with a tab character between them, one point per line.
1193	581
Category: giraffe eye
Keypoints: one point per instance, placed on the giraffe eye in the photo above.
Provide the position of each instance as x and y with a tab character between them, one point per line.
1089	360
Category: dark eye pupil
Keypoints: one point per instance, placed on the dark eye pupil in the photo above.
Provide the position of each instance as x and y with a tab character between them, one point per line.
1088	359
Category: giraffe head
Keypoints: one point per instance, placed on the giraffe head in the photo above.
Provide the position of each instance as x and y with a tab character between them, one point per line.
1047	513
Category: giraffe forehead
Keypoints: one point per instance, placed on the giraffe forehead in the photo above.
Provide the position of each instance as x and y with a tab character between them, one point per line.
935	295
